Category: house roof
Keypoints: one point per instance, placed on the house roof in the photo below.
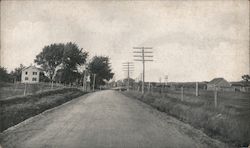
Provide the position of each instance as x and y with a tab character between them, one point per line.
32	67
216	81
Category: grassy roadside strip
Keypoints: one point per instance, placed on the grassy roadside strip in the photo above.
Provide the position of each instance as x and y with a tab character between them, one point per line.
229	128
17	109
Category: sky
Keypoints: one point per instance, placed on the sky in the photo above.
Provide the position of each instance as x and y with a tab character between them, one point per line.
191	40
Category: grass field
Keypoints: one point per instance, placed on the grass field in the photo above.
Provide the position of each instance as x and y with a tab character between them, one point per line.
17	109
11	90
229	121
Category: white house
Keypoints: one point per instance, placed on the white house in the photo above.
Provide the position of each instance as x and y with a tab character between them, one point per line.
30	74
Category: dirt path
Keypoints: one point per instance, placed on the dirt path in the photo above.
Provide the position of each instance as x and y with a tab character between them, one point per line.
105	119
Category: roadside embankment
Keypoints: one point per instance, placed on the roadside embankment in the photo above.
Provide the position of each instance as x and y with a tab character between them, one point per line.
16	109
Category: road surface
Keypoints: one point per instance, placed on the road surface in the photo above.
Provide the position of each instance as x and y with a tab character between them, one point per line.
105	119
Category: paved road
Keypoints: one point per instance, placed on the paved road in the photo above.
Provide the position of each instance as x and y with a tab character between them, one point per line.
105	119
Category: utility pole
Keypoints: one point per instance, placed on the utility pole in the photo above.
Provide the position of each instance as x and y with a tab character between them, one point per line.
94	83
84	68
128	68
182	93
25	89
196	89
142	54
215	96
166	82
166	79
85	81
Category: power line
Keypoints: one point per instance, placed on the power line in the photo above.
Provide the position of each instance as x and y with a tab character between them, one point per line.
141	56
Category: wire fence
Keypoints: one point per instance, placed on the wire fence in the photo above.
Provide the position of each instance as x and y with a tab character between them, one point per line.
217	98
15	89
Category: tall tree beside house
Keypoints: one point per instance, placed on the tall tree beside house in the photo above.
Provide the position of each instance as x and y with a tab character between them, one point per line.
43	77
246	78
66	56
17	73
72	58
100	66
50	58
4	76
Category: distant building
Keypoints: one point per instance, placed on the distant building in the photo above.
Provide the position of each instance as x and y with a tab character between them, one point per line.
130	80
119	83
220	84
241	86
30	74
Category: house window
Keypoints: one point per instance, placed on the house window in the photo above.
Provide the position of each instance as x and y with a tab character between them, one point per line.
34	73
26	72
26	78
34	79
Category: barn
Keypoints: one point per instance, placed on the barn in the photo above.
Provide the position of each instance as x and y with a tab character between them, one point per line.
220	84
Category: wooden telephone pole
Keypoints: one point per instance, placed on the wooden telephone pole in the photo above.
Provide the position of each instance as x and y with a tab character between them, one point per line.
94	82
128	68
142	54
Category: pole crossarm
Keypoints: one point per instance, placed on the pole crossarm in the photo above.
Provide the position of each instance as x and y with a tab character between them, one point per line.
142	47
127	70
128	63
141	52
144	56
142	60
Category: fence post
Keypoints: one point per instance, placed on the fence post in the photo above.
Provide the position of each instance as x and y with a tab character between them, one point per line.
94	83
197	89
182	91
162	90
149	89
15	82
25	87
215	97
52	83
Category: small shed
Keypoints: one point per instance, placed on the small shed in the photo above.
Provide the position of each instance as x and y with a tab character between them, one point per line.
220	84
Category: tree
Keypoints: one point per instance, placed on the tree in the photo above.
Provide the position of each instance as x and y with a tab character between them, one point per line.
72	58
4	76
246	78
43	77
100	66
66	56
17	73
50	58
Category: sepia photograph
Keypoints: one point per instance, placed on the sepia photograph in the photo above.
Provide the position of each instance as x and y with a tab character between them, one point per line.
124	74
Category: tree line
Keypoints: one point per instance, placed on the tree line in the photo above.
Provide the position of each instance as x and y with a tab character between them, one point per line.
63	63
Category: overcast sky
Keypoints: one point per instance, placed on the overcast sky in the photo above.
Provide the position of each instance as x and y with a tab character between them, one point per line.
191	40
